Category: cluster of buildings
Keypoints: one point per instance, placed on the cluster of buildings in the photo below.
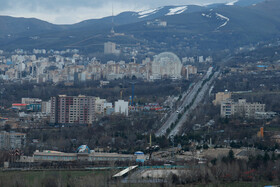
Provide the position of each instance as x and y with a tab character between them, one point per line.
33	104
241	108
72	67
83	154
12	140
111	48
199	59
156	23
82	109
78	110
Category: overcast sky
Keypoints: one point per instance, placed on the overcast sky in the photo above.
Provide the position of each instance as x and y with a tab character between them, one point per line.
73	11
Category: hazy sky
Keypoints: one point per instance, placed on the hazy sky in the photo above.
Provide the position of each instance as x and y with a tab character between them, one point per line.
73	11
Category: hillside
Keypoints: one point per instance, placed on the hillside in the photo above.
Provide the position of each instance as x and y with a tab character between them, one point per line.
213	27
15	27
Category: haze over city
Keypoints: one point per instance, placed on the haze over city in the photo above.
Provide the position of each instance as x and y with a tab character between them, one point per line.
161	94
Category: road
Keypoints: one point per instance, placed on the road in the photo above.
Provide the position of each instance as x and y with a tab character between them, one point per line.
195	95
198	99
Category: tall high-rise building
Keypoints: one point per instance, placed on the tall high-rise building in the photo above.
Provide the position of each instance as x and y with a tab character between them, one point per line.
110	48
72	109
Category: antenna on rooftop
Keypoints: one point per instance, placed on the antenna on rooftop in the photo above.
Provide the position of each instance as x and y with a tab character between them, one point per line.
112	30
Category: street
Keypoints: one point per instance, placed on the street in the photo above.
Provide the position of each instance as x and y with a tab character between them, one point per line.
195	95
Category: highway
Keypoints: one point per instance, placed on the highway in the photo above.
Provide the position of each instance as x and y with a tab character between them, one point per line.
192	97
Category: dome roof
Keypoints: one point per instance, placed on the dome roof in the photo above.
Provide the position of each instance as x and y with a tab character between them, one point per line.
167	57
139	153
83	149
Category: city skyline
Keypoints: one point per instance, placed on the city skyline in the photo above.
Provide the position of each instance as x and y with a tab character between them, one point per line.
70	12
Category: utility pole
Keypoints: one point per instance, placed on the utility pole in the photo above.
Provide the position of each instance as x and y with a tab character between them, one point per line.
112	30
172	140
1	92
150	140
132	90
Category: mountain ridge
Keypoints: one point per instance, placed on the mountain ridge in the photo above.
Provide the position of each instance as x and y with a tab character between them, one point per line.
217	25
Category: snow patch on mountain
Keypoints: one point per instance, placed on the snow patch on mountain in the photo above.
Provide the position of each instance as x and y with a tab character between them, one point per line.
177	10
149	12
206	15
232	3
223	18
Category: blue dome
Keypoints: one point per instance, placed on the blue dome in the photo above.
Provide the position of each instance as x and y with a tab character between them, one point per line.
83	149
139	153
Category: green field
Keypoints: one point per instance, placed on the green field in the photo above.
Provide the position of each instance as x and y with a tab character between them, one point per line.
239	184
54	178
91	179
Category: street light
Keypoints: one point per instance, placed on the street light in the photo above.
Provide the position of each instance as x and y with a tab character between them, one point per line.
172	140
1	92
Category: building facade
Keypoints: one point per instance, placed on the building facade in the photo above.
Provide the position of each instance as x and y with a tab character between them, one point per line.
55	156
121	107
31	100
241	108
110	48
221	96
12	140
72	109
192	70
46	107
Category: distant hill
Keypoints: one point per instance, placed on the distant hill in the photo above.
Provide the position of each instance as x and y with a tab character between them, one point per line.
15	27
134	17
245	3
270	8
212	27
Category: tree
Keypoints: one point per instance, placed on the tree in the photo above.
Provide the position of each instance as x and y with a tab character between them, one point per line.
266	157
7	127
231	155
205	146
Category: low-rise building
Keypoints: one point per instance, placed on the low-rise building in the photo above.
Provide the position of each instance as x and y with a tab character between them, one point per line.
121	107
46	107
110	48
55	156
19	106
221	96
12	140
99	106
191	69
241	108
31	100
265	115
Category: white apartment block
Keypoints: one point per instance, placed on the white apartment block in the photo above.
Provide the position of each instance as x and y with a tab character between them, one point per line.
241	108
12	140
121	107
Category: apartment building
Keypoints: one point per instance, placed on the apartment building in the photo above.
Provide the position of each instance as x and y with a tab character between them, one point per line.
121	107
12	140
111	48
221	96
241	108
72	109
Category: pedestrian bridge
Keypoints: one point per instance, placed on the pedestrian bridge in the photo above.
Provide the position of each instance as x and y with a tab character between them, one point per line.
125	171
